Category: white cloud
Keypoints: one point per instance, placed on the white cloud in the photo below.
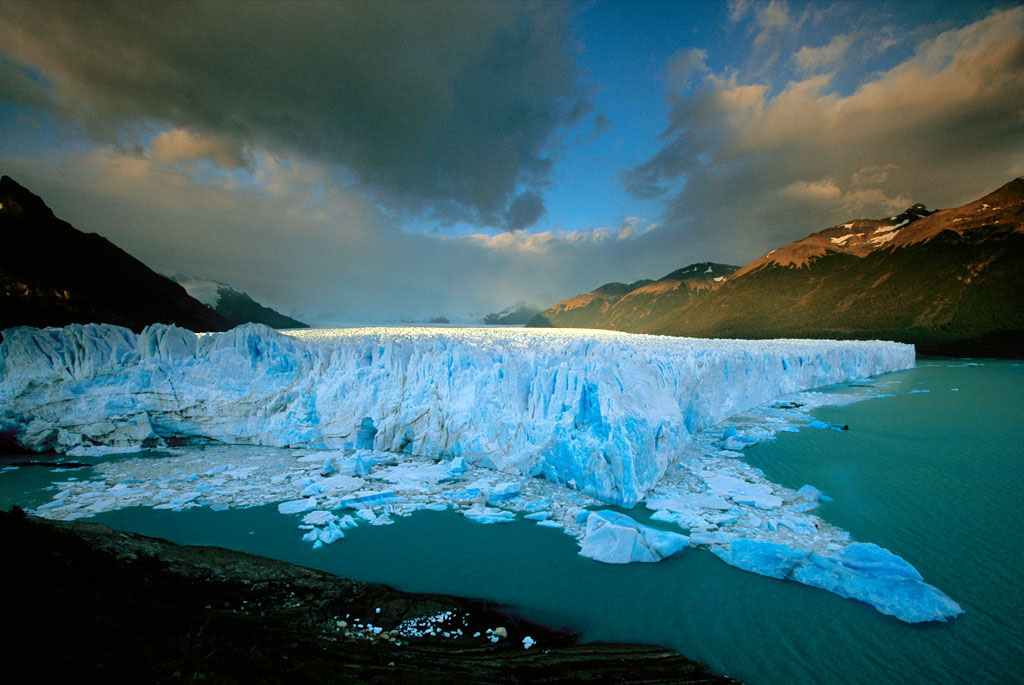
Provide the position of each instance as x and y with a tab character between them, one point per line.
741	160
812	59
182	146
827	194
873	175
813	191
548	241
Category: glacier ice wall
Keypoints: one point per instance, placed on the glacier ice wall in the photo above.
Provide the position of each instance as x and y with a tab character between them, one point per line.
599	411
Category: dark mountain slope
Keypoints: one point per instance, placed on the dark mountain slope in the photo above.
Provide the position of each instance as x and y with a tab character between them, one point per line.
52	274
634	306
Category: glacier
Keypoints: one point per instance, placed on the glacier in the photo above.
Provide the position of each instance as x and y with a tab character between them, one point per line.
357	427
598	411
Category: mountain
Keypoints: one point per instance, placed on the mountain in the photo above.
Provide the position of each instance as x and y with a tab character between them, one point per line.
52	274
233	304
951	282
635	306
516	315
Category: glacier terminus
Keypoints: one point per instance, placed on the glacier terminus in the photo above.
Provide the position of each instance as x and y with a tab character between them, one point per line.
347	427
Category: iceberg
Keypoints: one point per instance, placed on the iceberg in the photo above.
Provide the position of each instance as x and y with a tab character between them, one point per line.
862	571
615	538
599	411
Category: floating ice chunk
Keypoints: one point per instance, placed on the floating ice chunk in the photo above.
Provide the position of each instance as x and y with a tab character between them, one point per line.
757	499
831	426
528	642
313	489
340	483
369	499
352	467
799	526
319	518
812	494
538	516
297	506
671	517
615	538
762	556
466	495
331	533
862	571
874	575
482	514
686	502
742	492
503	491
538	504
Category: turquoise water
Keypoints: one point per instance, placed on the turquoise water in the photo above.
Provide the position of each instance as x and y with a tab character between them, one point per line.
934	476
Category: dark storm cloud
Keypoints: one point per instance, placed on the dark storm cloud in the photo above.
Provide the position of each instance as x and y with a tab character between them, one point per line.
524	211
324	258
443	108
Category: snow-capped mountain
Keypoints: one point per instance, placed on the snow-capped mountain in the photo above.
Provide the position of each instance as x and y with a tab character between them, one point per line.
949	281
233	304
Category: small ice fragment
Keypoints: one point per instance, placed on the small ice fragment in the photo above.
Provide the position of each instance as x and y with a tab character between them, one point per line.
297	506
319	518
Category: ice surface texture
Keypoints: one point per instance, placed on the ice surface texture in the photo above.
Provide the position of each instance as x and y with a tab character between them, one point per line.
599	411
862	570
615	538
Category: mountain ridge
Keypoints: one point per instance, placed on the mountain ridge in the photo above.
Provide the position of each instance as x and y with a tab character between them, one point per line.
52	274
948	281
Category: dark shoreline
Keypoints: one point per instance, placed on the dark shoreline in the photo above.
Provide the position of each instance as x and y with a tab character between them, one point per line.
92	602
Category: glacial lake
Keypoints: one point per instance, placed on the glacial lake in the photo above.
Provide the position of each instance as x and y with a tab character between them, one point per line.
933	472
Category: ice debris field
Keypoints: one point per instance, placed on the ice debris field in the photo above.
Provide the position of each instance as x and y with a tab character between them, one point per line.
353	427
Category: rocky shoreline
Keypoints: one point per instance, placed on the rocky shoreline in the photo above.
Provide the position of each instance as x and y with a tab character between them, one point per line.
94	602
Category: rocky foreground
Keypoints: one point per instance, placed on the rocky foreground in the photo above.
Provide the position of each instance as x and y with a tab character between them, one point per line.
89	601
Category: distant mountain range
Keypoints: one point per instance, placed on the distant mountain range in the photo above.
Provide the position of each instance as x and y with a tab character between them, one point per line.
52	274
950	281
233	304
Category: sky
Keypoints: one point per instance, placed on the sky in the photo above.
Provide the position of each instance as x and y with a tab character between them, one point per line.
377	162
